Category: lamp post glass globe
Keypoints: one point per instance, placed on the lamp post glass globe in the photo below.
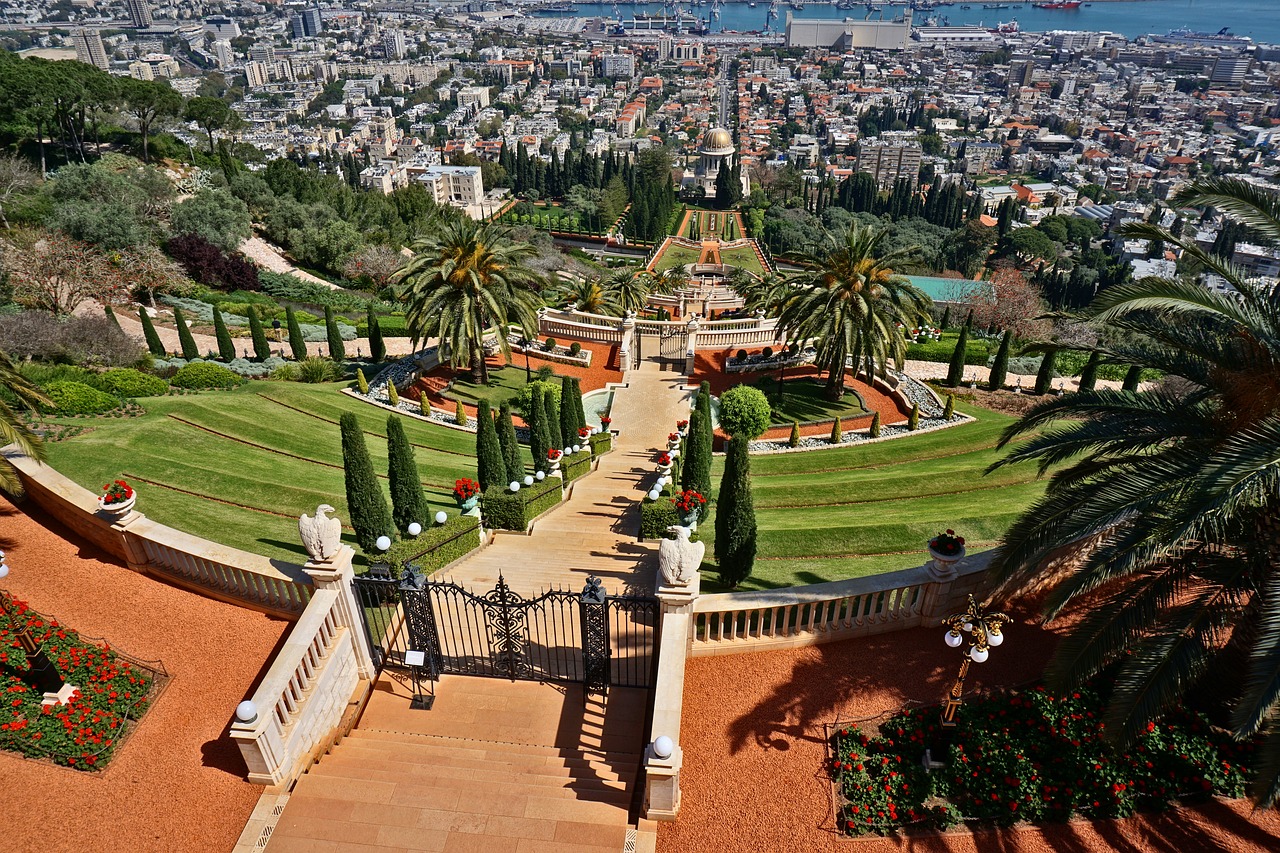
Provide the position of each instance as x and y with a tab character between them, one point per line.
246	712
978	655
953	639
968	626
515	486
654	494
541	475
994	639
414	528
383	543
528	479
663	747
441	517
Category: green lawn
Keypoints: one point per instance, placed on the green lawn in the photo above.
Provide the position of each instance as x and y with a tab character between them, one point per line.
832	514
804	400
238	467
504	385
676	256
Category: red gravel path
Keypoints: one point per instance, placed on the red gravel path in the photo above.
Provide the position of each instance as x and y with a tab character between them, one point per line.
178	782
753	776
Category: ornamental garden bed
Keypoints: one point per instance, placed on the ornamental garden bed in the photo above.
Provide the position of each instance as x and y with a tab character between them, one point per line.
85	733
1026	756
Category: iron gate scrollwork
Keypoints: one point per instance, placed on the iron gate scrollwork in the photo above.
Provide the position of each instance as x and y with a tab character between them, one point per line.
672	343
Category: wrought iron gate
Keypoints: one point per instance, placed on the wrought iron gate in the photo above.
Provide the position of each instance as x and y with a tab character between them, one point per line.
590	637
673	343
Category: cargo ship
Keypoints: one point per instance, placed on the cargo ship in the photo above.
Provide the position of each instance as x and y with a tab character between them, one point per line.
1059	4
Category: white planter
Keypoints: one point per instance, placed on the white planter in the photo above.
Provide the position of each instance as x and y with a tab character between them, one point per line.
944	565
120	509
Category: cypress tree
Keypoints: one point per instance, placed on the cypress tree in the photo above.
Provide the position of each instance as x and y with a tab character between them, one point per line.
955	373
1132	378
187	343
149	332
460	414
369	514
408	502
361	382
1089	375
393	395
794	440
337	350
226	349
261	349
111	315
874	432
1000	367
695	473
544	428
1044	376
554	437
568	417
736	517
537	432
913	419
946	318
491	467
510	444
837	430
579	413
297	343
949	408
377	349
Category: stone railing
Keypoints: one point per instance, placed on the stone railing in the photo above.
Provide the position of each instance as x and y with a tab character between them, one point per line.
805	615
556	327
299	707
714	338
579	317
218	571
662	766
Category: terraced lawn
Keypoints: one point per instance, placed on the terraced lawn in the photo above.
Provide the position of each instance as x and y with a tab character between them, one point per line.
833	514
238	467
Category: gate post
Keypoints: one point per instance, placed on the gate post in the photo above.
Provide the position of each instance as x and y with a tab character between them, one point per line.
336	574
691	343
628	327
593	607
420	615
663	756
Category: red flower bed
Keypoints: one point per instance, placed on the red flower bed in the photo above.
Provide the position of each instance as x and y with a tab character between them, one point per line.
84	732
1027	756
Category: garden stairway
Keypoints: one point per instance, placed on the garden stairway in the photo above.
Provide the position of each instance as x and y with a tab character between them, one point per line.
594	532
495	766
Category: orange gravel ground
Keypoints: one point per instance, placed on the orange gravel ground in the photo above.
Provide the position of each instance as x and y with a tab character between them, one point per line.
178	782
754	777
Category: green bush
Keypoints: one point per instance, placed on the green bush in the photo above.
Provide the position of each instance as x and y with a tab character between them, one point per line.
975	351
874	431
601	443
657	516
575	465
76	398
390	325
575	348
507	510
837	431
436	547
127	382
949	410
525	398
794	440
913	419
745	411
315	368
202	374
370	515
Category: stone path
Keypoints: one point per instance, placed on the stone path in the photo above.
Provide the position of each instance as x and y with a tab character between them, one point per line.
594	532
929	370
270	258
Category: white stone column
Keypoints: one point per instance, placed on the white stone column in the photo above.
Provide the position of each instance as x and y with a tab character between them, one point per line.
628	326
692	326
337	574
662	773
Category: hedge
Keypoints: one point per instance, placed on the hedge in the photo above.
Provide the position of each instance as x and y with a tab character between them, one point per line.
437	546
391	325
507	510
975	352
127	382
575	465
657	516
76	398
601	443
202	374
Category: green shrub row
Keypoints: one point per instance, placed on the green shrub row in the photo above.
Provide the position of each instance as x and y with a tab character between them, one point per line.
202	374
575	465
127	382
506	510
656	517
392	326
76	398
437	546
294	289
601	443
975	352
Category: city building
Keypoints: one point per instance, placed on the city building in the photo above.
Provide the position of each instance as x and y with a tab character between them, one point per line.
394	45
263	52
618	65
460	186
890	156
1230	70
848	35
474	96
139	13
312	22
223	53
222	27
89	48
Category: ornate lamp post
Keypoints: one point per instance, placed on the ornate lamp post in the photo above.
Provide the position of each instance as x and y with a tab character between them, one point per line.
984	629
41	673
525	343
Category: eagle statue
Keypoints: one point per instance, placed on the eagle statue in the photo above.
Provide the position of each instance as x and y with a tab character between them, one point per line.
679	559
321	535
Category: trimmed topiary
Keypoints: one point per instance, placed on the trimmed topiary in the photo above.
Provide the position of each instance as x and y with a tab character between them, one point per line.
913	419
226	349
202	374
736	516
510	444
1000	366
874	432
460	414
695	472
1044	376
111	315
955	371
127	382
794	440
408	502
297	343
337	350
1089	375
361	382
837	431
377	349
579	413
186	343
261	349
491	467
154	346
949	408
550	344
369	513
575	348
76	398
1132	377
568	417
393	396
745	411
555	438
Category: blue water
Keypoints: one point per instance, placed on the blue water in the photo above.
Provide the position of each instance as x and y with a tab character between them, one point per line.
1257	19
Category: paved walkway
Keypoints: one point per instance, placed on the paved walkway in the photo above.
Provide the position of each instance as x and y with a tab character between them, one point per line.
594	533
270	258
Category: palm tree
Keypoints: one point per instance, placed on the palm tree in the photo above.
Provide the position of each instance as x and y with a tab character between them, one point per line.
849	302
23	395
591	296
630	290
462	280
1168	508
673	279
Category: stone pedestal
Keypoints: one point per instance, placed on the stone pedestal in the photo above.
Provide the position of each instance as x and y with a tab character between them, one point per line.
336	574
62	697
662	784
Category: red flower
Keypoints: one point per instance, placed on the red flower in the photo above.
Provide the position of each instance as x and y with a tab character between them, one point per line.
465	489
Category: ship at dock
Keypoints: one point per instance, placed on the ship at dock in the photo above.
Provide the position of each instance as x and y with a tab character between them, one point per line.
1184	36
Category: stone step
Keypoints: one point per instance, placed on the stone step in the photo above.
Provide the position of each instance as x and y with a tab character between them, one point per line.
499	780
589	748
507	763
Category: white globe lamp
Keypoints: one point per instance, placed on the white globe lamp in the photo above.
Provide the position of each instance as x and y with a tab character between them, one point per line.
978	655
663	747
953	639
441	517
528	479
414	528
382	543
246	712
995	639
541	475
514	486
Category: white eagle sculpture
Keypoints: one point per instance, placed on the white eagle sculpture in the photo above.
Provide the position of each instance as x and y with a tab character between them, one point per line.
679	559
321	535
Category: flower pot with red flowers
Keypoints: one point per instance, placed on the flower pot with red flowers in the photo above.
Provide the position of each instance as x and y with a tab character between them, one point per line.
117	498
689	504
584	433
467	493
682	427
946	549
673	440
554	456
605	420
664	463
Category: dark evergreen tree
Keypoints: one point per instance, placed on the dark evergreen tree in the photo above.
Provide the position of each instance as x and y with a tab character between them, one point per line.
226	349
874	431
552	405
408	503
736	517
955	372
185	341
536	418
337	349
1089	375
377	349
579	413
1000	366
1044	376
695	469
510	444
490	465
261	349
297	343
946	318
111	315
369	514
149	333
568	417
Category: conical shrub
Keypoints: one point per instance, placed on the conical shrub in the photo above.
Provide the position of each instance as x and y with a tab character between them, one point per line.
226	349
408	502
337	349
510	444
736	517
491	468
187	343
297	343
261	349
154	346
369	513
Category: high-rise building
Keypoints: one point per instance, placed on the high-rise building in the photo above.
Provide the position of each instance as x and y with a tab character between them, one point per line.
263	52
890	156
394	44
297	26
1022	73
312	23
665	45
139	13
618	65
89	48
1230	70
222	50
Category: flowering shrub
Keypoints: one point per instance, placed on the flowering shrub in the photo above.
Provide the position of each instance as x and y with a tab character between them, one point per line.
1027	755
947	544
84	732
465	489
116	492
689	501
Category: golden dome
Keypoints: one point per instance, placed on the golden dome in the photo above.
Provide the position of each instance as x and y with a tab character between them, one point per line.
716	139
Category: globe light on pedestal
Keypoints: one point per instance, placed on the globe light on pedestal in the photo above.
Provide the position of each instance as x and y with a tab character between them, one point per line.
246	711
663	746
528	479
382	543
540	476
441	517
414	528
654	495
514	486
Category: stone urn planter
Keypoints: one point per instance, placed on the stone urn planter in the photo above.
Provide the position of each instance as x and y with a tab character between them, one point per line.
469	504
944	565
119	509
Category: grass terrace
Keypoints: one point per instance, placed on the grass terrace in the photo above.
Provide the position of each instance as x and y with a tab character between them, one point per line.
505	384
239	467
827	515
804	400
